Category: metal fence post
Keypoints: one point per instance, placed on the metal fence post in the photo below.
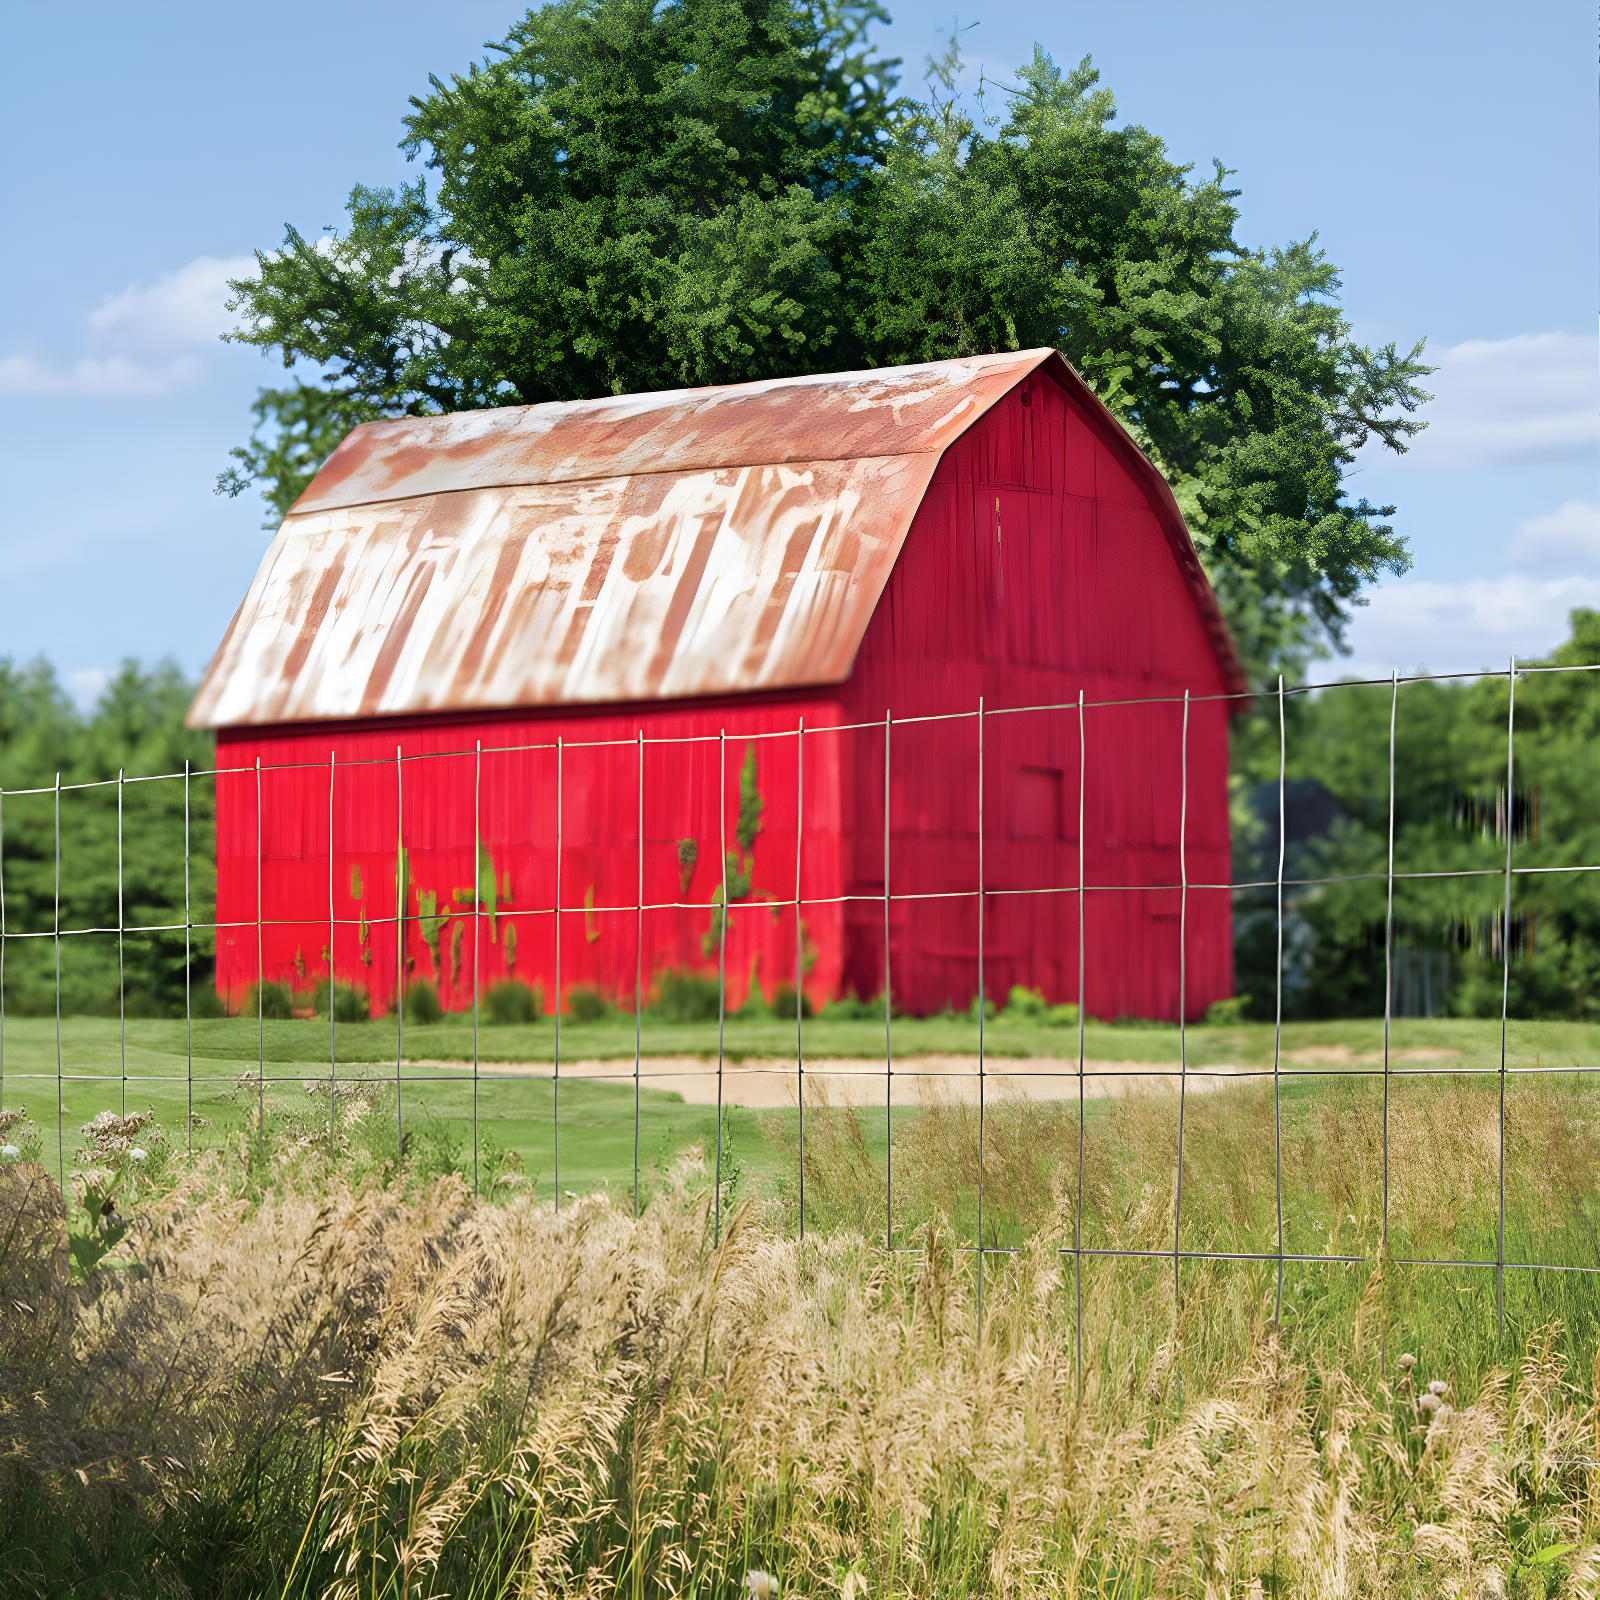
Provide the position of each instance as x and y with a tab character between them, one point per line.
61	1153
982	1009
722	961
888	1009
1505	994
1077	1206
188	967
477	937
1388	956
799	958
555	1076
1277	1028
402	891
2	948
261	990
122	965
1183	988
638	981
333	1008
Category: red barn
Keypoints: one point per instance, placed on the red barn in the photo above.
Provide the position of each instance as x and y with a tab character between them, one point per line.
549	678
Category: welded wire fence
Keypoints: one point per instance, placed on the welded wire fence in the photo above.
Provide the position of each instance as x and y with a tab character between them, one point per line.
1077	784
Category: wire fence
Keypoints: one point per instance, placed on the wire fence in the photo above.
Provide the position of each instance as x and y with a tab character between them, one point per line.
821	865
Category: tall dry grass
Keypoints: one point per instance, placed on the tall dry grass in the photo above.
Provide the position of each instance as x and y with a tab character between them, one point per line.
305	1388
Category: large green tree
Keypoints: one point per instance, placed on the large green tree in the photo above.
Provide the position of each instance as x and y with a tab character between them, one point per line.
632	195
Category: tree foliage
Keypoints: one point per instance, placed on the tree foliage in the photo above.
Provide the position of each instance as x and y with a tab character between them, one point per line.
1450	818
136	729
632	196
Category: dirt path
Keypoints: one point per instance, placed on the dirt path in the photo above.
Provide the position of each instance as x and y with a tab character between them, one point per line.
918	1080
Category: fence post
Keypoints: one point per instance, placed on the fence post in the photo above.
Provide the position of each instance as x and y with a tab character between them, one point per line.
722	960
188	968
1388	964
61	1153
638	981
333	1035
477	936
1505	995
799	958
1183	987
2	947
982	1009
402	889
1077	1207
122	966
888	1010
1277	1028
555	1077
261	1001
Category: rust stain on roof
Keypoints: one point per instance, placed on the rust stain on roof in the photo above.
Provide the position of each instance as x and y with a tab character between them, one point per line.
663	545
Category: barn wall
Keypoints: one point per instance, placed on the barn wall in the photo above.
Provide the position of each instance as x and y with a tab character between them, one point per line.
1036	568
429	808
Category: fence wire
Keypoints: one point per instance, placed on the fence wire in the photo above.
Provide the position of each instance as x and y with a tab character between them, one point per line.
897	891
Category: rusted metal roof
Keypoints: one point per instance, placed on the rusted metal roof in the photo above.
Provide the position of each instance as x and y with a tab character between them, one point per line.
682	543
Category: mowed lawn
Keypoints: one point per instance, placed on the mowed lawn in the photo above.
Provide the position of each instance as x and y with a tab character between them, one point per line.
226	1069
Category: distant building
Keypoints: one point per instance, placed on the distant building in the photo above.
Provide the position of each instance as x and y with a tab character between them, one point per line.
715	567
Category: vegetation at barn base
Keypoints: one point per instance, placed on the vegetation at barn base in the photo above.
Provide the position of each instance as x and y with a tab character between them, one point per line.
457	1396
629	196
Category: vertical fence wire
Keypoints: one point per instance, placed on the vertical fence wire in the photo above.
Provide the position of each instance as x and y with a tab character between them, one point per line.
888	1011
122	964
1388	957
982	1009
2	948
799	958
402	892
477	937
1277	1026
555	1076
1183	986
188	971
261	990
1077	1203
1505	996
61	1153
638	983
722	959
333	1009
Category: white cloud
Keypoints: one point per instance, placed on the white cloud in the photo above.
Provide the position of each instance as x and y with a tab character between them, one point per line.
1460	627
143	342
1497	402
1569	534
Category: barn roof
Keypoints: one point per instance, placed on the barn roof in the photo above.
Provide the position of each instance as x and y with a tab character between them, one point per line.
686	542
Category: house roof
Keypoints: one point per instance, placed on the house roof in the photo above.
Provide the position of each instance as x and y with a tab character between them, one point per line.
688	542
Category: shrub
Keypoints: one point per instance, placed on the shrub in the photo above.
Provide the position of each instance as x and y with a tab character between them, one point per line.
514	1002
1026	1005
1061	1016
270	1000
350	1004
783	1002
422	1004
586	1005
1225	1013
685	997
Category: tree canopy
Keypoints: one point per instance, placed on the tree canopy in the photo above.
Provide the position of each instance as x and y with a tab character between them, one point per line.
630	195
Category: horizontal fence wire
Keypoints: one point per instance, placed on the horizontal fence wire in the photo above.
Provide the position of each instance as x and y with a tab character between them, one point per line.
898	892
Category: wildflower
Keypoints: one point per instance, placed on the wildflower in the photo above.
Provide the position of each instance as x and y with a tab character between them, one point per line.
9	1152
1438	1387
138	1156
1407	1362
762	1585
1429	1403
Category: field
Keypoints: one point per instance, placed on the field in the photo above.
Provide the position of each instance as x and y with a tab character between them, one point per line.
314	1363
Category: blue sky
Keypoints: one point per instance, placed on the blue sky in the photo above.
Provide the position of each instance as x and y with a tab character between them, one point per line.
1444	153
